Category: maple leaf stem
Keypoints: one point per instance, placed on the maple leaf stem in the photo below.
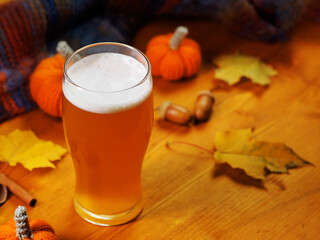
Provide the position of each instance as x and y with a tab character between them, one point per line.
169	143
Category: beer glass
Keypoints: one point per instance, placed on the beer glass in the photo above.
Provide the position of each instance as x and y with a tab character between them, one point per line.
107	112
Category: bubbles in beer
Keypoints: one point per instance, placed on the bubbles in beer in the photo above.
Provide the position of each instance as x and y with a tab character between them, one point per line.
107	83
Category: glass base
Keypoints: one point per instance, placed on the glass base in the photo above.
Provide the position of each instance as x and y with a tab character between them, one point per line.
109	220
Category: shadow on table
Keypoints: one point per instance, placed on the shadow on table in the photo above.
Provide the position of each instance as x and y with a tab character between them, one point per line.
237	175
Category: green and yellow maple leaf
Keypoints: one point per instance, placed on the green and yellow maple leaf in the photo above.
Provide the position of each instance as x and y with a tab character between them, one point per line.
240	150
233	67
24	147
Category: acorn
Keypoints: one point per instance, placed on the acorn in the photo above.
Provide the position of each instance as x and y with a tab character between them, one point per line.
203	106
175	113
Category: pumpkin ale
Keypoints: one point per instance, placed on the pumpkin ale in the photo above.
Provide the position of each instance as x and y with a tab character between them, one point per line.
107	117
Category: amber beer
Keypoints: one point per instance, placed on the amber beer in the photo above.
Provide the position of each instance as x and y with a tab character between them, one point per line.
107	119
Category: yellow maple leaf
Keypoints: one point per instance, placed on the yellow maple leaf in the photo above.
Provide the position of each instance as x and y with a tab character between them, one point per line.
24	147
233	67
240	150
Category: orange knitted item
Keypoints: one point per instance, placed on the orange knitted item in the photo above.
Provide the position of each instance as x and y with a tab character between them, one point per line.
46	84
40	231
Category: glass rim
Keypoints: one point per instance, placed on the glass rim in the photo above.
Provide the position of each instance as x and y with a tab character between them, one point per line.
67	62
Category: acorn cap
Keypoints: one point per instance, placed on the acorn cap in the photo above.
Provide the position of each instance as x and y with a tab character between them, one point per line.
163	108
206	92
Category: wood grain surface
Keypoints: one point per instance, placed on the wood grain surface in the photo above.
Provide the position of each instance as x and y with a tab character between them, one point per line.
187	196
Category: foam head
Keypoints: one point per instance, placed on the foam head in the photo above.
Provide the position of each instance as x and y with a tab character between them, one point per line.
107	83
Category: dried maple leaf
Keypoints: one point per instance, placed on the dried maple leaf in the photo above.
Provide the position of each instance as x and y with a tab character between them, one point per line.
240	150
25	148
233	67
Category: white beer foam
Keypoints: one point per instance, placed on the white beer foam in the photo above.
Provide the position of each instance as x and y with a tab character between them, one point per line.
101	77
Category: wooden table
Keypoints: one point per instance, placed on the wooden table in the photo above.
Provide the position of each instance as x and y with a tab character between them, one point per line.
186	195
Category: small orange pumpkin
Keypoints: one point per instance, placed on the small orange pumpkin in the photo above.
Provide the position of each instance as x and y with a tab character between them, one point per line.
35	230
46	84
46	81
173	56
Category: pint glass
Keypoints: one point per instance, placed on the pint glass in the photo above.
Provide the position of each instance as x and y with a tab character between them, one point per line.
107	116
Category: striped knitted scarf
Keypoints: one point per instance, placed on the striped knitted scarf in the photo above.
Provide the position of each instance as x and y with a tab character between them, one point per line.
25	27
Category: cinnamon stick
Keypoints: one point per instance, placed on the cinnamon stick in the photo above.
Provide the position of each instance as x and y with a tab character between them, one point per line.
17	190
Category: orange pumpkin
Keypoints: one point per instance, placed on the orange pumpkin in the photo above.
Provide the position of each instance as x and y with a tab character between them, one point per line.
173	56
46	84
46	81
35	230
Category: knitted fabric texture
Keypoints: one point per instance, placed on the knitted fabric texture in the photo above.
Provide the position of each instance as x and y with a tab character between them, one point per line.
30	29
40	230
7	230
25	26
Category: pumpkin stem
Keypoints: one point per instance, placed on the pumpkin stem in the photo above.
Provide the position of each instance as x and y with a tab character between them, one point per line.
179	34
23	229
64	49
